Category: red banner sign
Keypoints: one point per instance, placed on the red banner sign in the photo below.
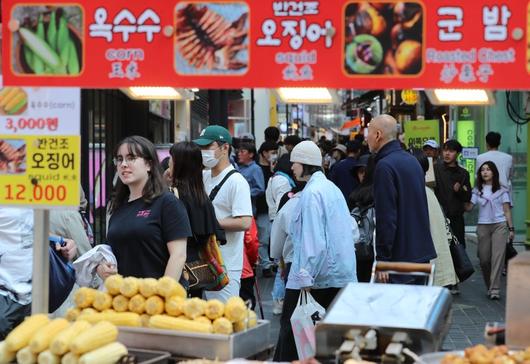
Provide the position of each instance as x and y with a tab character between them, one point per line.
267	43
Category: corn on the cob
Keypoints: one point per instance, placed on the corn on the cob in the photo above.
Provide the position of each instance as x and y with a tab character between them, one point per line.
174	323
174	305
122	318
113	284
84	297
137	304
235	309
102	301
47	357
70	358
108	354
214	309
92	318
249	321
203	319
109	310
88	311
43	337
26	356
154	305
148	287
120	303
61	342
22	334
168	287
145	320
95	337
9	95
6	356
194	307
222	325
72	313
129	287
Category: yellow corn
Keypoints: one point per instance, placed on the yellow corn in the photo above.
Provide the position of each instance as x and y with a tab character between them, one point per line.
4	91
47	357
222	325
235	309
43	337
6	356
122	318
137	304
92	318
15	100
203	319
113	284
72	313
88	311
61	342
10	94
108	354
102	301
22	334
214	309
154	305
194	307
26	356
84	297
98	335
168	287
129	286
174	323
148	287
70	358
145	320
109	310
250	321
120	303
174	305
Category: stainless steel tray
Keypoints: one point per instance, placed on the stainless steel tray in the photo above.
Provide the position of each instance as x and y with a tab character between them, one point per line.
436	358
194	345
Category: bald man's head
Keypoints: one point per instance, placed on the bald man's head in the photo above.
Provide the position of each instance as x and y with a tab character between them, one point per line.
382	130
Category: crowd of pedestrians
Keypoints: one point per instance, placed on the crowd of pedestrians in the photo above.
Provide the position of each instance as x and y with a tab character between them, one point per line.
310	216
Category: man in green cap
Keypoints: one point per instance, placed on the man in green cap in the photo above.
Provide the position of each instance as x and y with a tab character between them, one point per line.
233	207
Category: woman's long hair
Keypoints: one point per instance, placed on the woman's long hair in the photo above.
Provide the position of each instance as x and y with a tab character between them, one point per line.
187	171
363	195
140	147
495	182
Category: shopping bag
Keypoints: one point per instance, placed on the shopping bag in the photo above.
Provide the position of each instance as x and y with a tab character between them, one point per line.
461	262
306	314
62	277
511	252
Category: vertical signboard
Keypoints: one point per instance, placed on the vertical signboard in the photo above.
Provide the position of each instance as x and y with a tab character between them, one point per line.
465	132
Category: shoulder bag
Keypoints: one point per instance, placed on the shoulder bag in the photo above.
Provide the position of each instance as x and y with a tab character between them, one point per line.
463	266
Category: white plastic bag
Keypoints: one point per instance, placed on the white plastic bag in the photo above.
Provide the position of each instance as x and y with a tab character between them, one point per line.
303	321
85	266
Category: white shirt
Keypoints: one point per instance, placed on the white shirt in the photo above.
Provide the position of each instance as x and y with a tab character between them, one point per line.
232	200
16	253
281	241
502	161
277	187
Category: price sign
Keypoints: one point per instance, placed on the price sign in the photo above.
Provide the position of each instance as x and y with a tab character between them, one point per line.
39	147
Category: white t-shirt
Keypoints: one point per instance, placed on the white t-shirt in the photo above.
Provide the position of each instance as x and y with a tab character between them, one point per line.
277	187
502	161
232	200
16	253
491	210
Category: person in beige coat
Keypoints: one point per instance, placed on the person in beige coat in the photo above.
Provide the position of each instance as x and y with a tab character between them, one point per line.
444	273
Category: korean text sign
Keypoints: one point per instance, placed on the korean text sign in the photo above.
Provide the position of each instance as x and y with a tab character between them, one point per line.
39	147
267	43
417	132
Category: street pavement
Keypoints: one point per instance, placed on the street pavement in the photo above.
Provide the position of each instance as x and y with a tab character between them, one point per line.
471	308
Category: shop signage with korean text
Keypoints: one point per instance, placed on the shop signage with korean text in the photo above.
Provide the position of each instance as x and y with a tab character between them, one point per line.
267	43
417	132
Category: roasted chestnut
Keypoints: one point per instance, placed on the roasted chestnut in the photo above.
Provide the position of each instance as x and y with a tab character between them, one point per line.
409	14
364	54
390	66
369	21
408	57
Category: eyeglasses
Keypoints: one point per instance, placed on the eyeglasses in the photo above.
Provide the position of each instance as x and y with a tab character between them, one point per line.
130	159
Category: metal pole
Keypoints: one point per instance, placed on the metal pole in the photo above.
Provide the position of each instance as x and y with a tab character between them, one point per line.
252	113
41	262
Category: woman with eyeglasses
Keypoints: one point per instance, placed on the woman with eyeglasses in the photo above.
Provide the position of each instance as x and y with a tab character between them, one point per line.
149	226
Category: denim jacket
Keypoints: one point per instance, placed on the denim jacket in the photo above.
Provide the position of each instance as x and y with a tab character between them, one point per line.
323	234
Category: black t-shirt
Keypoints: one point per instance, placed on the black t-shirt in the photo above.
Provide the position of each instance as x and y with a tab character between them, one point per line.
139	233
261	201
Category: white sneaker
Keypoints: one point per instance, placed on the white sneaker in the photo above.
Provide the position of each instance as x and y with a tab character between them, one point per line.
277	307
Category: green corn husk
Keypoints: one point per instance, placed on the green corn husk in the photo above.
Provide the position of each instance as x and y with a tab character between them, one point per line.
51	36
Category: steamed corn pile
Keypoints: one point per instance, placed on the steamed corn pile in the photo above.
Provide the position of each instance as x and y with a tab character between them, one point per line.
41	340
160	304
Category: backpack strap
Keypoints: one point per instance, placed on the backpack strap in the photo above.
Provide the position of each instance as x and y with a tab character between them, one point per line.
216	189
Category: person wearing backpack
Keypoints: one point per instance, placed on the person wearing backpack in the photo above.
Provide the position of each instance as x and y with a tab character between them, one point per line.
362	200
230	195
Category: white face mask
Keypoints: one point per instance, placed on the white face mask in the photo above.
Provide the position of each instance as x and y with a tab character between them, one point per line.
208	158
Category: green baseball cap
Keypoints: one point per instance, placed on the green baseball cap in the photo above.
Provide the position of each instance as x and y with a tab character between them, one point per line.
213	133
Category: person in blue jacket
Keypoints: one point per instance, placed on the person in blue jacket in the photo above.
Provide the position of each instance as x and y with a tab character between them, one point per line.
401	211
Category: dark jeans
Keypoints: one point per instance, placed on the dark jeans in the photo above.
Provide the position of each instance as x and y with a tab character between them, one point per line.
246	292
459	228
11	314
364	270
286	347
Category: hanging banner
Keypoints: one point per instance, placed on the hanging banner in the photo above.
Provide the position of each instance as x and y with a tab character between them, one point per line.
241	43
417	132
465	134
39	147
